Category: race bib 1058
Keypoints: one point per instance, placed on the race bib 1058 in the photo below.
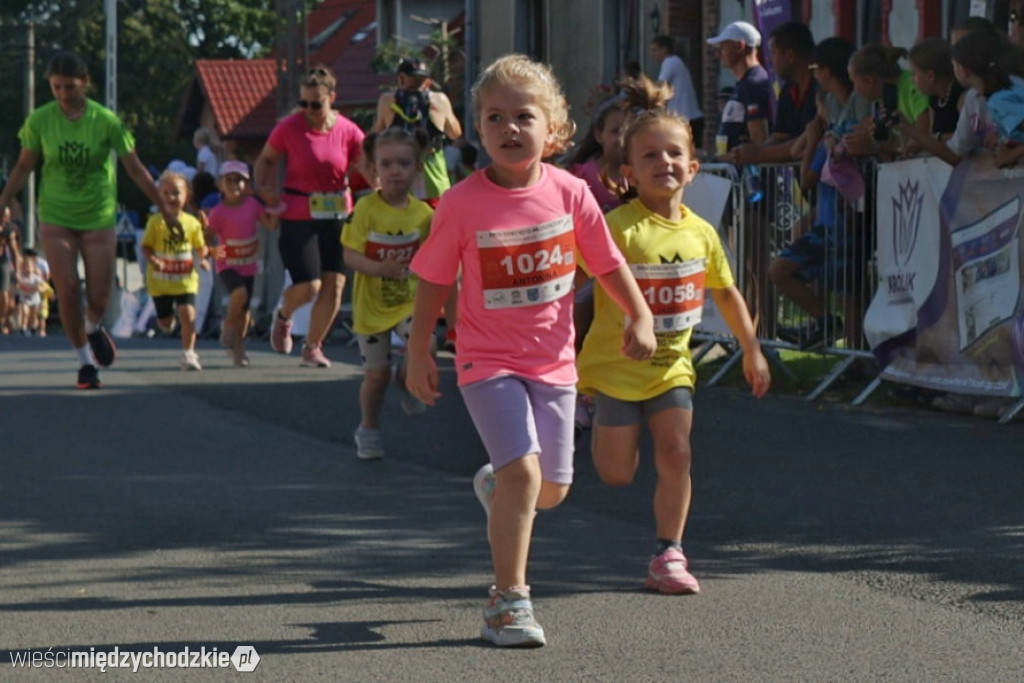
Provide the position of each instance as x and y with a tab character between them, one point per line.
674	291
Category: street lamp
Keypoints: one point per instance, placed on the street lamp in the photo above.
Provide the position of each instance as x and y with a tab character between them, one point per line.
655	17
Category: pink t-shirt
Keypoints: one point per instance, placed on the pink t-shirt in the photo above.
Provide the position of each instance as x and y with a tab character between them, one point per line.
590	172
315	161
517	250
236	227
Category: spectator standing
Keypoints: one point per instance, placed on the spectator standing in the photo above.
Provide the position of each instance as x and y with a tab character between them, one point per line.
792	50
9	254
207	152
674	72
320	147
745	117
74	137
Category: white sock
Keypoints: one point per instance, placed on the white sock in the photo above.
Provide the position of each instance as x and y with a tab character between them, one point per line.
85	355
90	327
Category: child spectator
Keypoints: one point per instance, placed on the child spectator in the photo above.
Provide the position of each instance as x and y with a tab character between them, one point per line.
234	225
674	255
30	283
932	68
992	65
386	229
514	229
171	278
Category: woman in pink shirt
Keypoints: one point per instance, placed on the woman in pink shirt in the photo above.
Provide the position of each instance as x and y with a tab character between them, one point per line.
319	147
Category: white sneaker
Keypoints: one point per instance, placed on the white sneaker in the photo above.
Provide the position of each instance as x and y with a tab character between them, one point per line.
190	361
368	444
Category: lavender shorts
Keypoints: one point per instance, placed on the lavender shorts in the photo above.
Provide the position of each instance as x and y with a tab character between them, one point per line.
515	417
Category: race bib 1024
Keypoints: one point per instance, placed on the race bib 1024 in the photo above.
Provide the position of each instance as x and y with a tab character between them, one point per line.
527	266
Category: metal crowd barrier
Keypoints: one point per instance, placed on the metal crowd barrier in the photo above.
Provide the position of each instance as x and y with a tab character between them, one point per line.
766	216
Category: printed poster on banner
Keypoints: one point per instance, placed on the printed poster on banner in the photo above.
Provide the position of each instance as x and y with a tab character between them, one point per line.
950	317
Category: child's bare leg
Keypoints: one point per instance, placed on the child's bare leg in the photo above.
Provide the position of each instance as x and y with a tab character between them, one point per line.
671	431
511	521
615	453
236	313
371	395
187	318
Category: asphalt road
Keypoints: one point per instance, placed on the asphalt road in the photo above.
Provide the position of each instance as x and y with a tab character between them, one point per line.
227	508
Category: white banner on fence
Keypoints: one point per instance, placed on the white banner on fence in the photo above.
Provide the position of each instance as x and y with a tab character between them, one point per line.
948	313
707	196
909	193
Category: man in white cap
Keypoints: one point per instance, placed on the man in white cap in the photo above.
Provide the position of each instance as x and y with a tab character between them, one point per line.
745	116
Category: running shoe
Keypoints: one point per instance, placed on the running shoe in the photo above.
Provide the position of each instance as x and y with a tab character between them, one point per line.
102	346
88	377
668	574
313	357
368	444
281	334
190	361
241	360
509	620
449	340
412	406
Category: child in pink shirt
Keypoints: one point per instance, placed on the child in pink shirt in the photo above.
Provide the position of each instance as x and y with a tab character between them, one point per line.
514	229
234	226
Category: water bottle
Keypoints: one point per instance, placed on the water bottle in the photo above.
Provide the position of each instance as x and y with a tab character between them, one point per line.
752	183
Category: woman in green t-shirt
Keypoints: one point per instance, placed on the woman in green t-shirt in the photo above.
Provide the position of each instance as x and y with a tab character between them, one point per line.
74	136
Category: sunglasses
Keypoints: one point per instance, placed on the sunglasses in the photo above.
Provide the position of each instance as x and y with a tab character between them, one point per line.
314	104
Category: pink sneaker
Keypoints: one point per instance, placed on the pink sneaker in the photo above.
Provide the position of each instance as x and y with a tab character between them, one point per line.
281	334
667	574
313	357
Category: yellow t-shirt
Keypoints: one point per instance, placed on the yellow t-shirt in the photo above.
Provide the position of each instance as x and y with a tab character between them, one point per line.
179	276
674	263
379	231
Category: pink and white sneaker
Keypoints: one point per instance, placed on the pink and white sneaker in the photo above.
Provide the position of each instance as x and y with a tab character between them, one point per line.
313	357
667	574
281	334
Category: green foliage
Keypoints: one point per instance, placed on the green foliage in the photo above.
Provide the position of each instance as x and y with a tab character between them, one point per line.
158	44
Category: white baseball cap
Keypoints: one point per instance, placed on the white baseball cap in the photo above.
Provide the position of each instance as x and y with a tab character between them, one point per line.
739	31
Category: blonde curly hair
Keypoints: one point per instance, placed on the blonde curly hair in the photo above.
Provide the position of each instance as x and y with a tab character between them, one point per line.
521	72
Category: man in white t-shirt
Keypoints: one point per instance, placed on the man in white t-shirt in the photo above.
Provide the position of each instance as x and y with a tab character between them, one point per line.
674	72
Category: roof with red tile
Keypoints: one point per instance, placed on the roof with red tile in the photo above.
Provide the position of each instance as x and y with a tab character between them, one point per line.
242	95
341	34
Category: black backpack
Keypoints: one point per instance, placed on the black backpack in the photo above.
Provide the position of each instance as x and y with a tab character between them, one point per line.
412	112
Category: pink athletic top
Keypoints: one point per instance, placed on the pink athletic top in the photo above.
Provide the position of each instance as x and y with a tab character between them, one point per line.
591	173
316	161
236	227
517	250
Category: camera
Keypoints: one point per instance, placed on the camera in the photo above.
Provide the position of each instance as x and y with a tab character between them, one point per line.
885	112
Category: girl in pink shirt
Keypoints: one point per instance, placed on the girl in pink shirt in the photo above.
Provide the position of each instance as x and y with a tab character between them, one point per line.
234	226
515	229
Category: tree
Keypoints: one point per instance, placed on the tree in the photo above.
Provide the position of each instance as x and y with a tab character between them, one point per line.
159	42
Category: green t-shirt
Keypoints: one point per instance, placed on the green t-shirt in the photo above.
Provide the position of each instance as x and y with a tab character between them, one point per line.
78	188
435	174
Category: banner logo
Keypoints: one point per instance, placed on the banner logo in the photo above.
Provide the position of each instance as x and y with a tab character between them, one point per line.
906	220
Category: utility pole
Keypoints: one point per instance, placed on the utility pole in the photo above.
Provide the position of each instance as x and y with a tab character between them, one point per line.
30	104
